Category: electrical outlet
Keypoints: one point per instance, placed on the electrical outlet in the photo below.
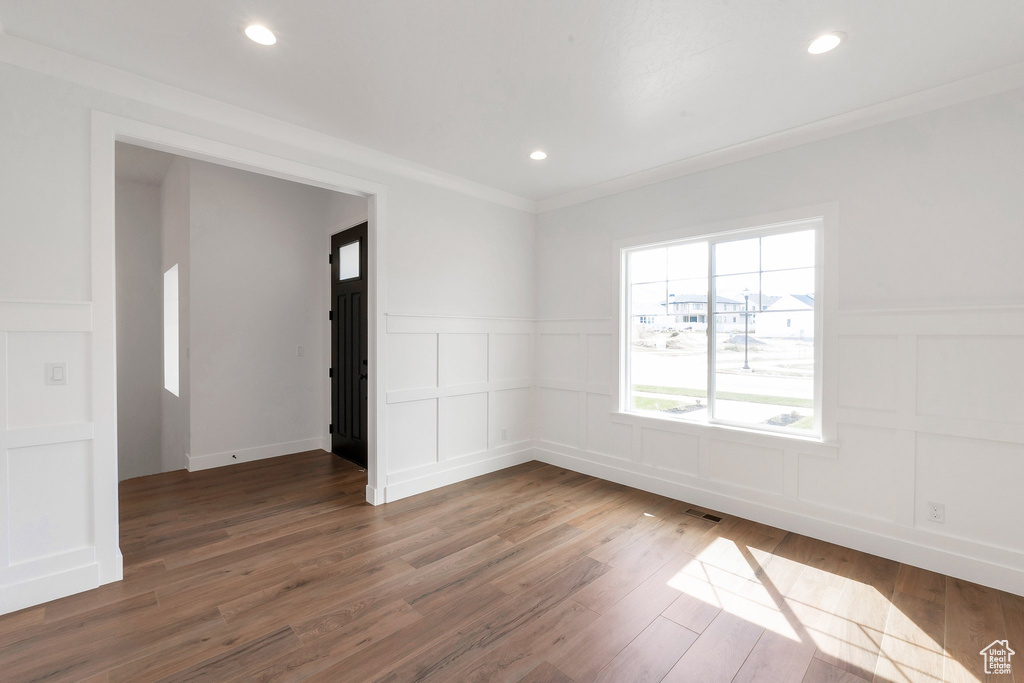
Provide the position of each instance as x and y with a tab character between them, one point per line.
937	512
300	351
504	434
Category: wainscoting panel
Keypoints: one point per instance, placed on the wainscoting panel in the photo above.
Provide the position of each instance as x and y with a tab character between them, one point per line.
47	485
462	425
43	479
868	373
510	356
412	435
458	402
974	479
928	409
462	359
558	416
752	467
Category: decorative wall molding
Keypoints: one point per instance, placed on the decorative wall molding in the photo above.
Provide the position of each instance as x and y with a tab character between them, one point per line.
404	323
52	576
979	563
45	316
777	479
465	381
950	94
48	434
49	578
35	57
411	482
457	390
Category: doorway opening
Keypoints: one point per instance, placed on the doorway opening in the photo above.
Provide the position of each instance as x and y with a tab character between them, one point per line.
226	261
109	130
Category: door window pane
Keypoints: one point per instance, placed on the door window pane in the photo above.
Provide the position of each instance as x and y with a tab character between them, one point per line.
348	261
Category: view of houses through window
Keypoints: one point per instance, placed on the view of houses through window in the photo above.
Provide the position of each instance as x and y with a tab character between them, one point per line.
749	359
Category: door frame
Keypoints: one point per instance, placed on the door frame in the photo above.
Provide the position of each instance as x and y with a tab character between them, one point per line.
106	130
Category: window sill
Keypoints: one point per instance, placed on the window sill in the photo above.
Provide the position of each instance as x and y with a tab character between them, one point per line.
809	445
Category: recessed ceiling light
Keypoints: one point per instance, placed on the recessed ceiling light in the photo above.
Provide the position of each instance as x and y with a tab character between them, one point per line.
538	155
260	34
826	42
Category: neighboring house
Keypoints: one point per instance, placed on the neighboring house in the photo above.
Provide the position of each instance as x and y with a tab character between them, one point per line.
790	316
690	311
687	308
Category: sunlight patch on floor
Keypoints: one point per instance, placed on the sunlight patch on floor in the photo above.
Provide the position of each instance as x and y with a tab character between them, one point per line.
873	639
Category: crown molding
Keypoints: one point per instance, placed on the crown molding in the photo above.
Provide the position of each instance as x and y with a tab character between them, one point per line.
41	59
34	57
949	94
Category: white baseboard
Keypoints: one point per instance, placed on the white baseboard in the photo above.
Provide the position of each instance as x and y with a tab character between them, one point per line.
901	544
450	472
211	460
61	575
374	496
114	572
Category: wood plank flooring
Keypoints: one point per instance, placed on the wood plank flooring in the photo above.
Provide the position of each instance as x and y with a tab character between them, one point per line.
278	570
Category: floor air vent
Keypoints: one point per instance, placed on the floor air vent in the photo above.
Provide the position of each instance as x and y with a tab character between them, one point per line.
704	515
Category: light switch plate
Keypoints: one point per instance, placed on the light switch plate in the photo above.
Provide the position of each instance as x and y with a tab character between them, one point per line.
56	374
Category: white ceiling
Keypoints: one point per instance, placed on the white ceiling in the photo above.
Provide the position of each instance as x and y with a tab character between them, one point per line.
606	87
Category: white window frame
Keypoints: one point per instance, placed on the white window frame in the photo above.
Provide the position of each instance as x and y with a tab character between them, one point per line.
823	219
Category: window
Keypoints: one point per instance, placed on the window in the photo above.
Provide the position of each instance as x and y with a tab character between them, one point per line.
171	330
348	261
757	368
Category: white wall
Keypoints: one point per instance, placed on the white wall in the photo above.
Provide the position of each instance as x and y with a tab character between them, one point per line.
453	248
459	343
139	329
175	237
258	270
926	375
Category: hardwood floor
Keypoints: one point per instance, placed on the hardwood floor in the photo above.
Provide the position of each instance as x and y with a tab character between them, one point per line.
278	570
